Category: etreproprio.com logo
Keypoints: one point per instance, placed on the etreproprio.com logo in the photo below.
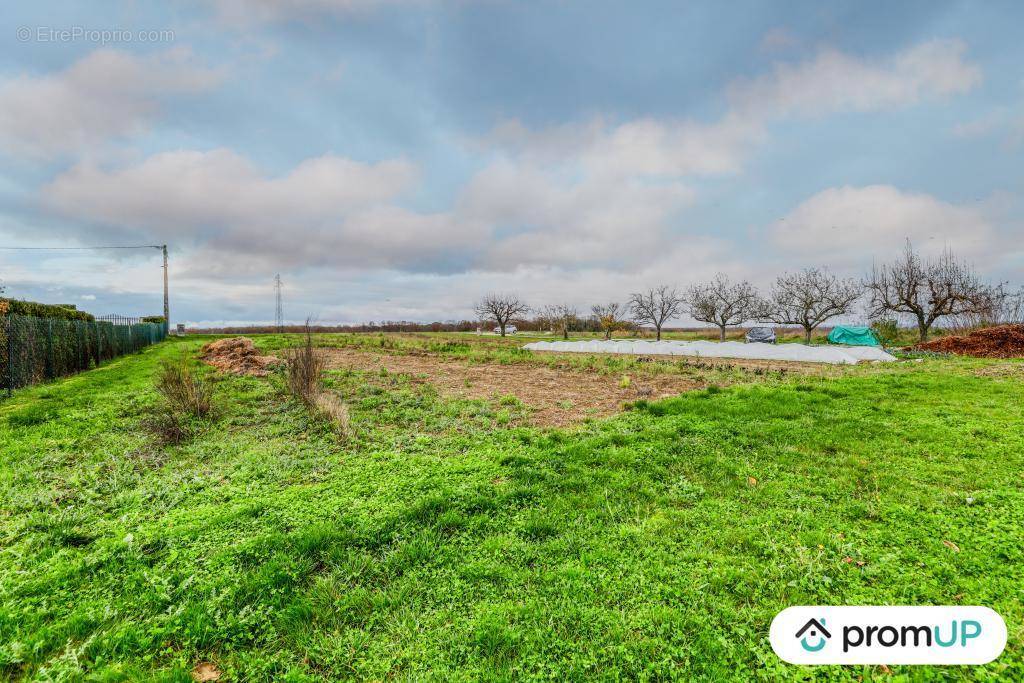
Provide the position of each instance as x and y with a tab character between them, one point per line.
888	635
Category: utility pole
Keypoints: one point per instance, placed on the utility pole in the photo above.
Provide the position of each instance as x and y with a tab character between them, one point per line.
280	308
167	300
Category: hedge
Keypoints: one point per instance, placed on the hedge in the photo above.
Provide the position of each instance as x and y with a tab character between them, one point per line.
37	310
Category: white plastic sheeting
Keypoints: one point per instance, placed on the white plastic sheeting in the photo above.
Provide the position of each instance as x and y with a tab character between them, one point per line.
845	355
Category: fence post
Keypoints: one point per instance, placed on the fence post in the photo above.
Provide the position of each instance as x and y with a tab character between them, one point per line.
49	349
10	355
83	346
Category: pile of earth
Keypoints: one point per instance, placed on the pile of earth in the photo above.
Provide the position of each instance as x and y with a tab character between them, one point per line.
239	356
1004	341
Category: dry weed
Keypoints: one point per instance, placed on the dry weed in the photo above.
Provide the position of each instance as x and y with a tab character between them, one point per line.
306	366
334	409
184	391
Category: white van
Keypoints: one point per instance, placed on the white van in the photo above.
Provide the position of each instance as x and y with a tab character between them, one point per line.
509	329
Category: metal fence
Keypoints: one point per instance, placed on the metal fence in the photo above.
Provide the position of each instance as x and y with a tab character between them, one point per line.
119	319
34	350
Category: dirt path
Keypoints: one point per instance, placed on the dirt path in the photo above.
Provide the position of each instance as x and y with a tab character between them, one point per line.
558	396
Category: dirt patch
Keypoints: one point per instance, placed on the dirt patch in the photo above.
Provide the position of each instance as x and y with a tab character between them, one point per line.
557	396
205	672
238	355
704	363
1002	371
1004	341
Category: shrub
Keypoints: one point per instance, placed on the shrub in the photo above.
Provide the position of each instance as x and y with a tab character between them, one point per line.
186	396
305	368
888	331
186	392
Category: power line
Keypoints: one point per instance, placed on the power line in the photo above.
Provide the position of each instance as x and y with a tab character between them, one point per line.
162	247
135	246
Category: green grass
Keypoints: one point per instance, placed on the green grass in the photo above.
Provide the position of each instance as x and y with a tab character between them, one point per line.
445	540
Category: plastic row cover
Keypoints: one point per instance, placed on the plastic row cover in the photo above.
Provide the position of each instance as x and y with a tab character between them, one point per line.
845	355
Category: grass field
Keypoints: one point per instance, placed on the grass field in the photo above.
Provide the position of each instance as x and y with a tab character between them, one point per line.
447	538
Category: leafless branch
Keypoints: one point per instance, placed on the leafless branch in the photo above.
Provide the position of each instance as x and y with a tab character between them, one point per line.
501	308
808	298
656	306
560	318
722	303
610	317
928	290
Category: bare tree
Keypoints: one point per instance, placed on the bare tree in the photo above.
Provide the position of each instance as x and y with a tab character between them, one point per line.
501	308
808	298
656	306
1011	309
610	317
722	303
544	319
928	289
561	317
996	306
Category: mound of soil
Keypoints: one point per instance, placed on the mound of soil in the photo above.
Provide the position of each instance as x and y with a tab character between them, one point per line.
239	356
1004	341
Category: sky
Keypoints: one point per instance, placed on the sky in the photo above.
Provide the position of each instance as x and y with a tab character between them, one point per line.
397	159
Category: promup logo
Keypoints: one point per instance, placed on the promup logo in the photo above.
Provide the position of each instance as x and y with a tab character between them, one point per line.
817	630
888	635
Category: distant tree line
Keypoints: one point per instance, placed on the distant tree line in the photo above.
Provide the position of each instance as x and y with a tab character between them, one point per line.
910	289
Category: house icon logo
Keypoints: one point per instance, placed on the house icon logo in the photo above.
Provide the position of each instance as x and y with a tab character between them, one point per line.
817	633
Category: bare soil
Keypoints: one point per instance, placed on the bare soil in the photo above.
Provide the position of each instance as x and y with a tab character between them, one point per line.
558	396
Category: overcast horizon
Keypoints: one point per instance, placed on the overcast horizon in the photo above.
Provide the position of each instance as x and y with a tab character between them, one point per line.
396	159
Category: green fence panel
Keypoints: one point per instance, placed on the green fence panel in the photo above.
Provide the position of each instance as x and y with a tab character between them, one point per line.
34	350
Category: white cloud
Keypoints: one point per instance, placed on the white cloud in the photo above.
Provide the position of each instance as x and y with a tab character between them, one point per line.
580	211
244	12
851	225
595	192
831	82
639	147
106	94
1005	122
586	220
326	210
834	82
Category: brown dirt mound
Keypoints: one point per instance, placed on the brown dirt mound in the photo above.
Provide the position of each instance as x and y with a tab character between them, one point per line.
239	356
1004	341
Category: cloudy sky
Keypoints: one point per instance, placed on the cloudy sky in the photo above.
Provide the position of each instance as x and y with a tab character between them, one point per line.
393	159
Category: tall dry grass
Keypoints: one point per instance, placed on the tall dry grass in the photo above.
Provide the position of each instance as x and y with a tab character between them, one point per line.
306	365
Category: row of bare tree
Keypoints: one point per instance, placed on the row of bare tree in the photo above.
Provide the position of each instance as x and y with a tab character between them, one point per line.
911	287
